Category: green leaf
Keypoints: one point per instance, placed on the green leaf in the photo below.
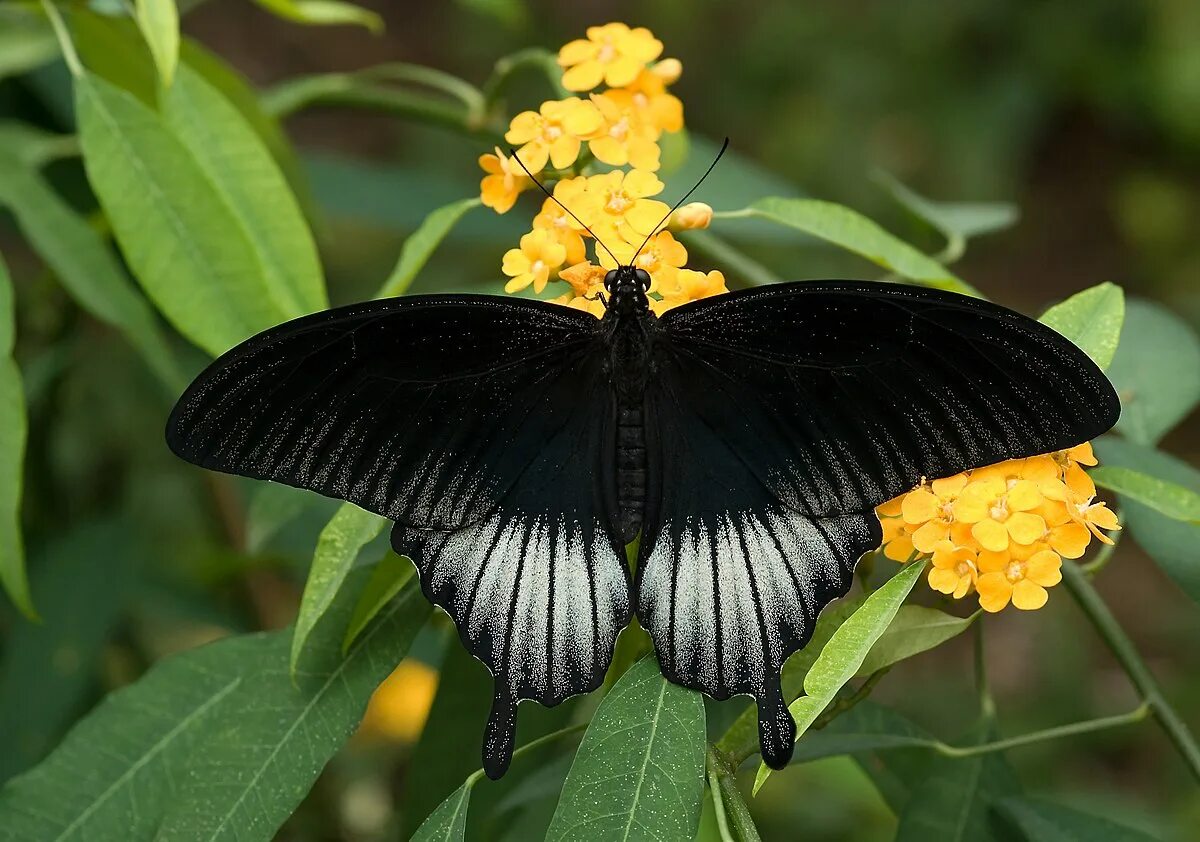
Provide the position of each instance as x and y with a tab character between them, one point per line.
390	575
1171	543
181	239
272	507
464	692
1040	820
956	221
238	165
915	629
159	22
84	264
854	232
49	669
348	531
865	727
448	823
951	800
215	743
741	740
32	147
843	656
420	246
1167	498
1091	319
13	430
26	41
1156	371
639	773
323	13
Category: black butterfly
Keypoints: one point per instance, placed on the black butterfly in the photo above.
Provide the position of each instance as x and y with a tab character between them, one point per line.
519	445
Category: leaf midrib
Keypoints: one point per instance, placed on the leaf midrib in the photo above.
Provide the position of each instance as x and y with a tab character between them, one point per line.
637	793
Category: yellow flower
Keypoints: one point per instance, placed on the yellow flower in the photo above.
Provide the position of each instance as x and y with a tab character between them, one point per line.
400	704
503	183
617	207
613	54
661	257
1020	576
954	569
587	282
563	228
999	511
691	216
533	262
668	70
930	510
1094	517
654	105
554	132
624	136
689	285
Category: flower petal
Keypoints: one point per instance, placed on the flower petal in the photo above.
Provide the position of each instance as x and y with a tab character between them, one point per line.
990	535
1028	596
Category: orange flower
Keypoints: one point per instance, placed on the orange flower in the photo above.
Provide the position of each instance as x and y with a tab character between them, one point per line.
1017	577
613	54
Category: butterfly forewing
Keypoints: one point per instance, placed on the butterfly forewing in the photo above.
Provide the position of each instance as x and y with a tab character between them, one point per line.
781	417
483	427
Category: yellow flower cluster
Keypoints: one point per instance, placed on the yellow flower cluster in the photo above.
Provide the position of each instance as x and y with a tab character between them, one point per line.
620	126
1000	531
399	706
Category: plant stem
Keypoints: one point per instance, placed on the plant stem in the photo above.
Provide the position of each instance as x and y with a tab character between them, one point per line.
1087	726
723	253
714	792
535	58
1122	647
840	706
987	705
1105	553
64	38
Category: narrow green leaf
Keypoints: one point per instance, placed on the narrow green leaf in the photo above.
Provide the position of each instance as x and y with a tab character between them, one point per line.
13	430
639	773
1167	498
956	221
951	800
84	264
915	629
854	232
741	739
1091	319
1156	371
390	575
215	743
418	248
182	241
159	22
1040	820
843	656
238	165
323	13
1171	543
348	531
448	823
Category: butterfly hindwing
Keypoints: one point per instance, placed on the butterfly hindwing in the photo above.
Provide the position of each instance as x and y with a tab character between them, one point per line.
780	418
538	588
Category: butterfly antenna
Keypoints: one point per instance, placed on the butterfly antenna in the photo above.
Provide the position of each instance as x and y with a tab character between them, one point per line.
533	178
655	229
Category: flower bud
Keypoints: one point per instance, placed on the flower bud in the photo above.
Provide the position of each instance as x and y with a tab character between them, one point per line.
692	215
668	70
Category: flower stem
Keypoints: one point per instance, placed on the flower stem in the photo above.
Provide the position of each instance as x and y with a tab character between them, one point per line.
723	253
1122	647
1087	726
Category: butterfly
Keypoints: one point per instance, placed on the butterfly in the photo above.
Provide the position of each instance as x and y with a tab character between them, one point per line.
520	445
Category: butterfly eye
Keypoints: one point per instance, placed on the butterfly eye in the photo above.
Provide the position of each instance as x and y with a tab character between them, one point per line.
643	278
610	280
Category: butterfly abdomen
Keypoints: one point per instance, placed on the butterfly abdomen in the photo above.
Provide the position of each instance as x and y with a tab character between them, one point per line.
631	468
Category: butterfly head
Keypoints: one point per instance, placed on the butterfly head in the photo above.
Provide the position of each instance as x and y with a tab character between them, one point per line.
627	287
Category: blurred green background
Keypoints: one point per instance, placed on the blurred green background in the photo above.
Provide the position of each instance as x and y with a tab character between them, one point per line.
1085	115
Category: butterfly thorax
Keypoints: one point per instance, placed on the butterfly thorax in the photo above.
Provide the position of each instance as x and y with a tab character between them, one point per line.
631	327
